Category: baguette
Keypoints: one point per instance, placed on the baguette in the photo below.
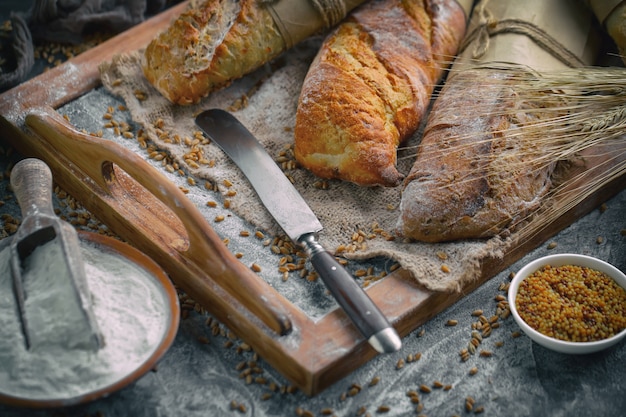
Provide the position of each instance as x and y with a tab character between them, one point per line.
487	157
369	86
209	45
475	174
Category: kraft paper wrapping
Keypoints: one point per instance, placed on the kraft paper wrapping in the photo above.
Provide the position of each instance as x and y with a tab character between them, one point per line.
523	33
604	8
298	19
612	15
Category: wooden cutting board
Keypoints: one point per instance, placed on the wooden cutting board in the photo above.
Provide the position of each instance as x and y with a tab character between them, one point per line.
143	207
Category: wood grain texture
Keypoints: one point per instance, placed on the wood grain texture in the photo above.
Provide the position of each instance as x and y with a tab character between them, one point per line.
103	177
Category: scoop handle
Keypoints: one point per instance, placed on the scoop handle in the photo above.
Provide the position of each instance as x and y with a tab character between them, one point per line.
31	180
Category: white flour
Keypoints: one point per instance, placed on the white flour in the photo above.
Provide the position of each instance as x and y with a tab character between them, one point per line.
54	316
131	309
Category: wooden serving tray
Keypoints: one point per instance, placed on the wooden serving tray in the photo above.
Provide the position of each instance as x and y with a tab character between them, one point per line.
142	206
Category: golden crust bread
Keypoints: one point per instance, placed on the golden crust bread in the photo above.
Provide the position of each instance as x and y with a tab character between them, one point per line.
476	173
369	86
208	46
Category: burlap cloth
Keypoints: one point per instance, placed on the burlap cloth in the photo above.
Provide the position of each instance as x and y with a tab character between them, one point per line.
343	209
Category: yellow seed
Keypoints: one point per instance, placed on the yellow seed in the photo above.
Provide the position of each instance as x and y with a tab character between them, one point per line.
486	331
445	268
452	322
583	304
374	381
469	404
255	267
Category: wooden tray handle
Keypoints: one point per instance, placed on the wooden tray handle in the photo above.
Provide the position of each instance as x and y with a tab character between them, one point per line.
156	216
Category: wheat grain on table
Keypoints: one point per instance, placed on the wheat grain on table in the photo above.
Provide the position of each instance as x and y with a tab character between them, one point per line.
210	372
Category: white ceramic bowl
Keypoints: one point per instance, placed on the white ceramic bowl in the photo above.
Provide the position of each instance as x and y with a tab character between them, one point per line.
560	260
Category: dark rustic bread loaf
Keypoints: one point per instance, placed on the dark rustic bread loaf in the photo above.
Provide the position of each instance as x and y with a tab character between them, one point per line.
370	85
476	171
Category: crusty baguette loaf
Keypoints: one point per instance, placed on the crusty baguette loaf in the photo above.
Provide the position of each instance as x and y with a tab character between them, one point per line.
476	173
207	47
370	85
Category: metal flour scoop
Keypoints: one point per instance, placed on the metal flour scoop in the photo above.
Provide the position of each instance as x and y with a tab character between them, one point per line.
90	315
49	284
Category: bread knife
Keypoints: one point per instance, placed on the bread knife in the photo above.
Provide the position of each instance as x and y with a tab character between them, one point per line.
299	222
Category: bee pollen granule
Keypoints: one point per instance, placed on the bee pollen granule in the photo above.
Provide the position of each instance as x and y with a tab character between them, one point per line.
572	303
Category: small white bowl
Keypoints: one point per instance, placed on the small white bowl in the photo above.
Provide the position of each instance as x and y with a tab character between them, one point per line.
560	260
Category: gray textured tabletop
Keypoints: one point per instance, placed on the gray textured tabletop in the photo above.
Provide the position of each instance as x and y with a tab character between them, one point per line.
203	373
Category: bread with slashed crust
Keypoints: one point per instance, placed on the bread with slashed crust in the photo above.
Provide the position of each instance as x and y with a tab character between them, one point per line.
212	43
369	86
477	173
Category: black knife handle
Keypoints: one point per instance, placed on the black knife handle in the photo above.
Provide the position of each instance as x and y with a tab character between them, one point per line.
359	307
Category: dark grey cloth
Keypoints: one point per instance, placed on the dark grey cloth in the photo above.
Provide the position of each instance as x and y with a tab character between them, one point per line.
22	49
67	21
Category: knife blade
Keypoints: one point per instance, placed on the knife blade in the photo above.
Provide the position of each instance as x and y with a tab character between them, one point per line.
296	218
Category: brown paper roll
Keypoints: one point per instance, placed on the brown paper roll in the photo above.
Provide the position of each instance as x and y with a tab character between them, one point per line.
527	33
612	15
299	19
603	8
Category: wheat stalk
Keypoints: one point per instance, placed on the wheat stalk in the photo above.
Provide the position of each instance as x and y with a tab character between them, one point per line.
554	118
